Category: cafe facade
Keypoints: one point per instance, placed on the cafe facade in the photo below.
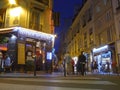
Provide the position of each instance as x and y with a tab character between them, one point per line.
23	45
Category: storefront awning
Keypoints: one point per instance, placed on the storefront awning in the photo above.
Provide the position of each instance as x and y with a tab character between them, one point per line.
6	30
29	33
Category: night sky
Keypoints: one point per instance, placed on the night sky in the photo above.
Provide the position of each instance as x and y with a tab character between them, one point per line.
67	9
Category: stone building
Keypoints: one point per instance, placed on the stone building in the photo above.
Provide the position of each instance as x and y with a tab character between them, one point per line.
31	24
95	30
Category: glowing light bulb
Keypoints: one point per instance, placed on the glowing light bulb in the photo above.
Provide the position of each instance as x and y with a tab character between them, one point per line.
12	1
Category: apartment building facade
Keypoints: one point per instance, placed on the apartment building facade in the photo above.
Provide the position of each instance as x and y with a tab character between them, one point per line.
116	9
33	14
94	31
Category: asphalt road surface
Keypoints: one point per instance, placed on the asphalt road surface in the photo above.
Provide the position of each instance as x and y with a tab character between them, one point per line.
62	83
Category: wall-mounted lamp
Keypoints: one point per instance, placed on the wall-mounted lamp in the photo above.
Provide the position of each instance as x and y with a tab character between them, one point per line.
12	2
15	11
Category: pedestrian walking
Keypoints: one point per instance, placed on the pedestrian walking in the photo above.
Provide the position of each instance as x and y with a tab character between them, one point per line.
107	66
81	63
114	66
1	62
73	63
0	58
7	63
94	66
67	62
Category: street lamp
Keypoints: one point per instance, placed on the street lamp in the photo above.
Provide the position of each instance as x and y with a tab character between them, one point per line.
12	2
13	14
15	11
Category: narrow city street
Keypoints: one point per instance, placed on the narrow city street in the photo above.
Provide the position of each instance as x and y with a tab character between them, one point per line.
59	44
88	82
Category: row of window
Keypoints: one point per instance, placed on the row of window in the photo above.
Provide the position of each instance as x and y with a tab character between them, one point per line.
102	26
103	38
33	24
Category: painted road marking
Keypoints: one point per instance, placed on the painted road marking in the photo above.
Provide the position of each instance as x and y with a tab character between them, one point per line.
33	87
67	81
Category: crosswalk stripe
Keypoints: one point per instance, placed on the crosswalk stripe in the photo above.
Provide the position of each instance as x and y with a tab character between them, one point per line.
68	81
32	87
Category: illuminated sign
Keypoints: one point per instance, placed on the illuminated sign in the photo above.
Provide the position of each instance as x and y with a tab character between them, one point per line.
101	49
49	55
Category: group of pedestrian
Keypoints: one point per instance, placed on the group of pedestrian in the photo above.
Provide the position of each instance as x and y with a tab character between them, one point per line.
5	62
79	67
69	64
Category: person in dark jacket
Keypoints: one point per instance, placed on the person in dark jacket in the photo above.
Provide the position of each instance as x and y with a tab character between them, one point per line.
81	63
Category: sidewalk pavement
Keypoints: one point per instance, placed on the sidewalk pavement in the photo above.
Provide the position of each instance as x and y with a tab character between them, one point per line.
53	74
31	74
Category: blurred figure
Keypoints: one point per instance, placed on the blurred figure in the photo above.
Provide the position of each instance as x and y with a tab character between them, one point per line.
73	63
7	63
114	66
92	66
67	62
81	63
1	62
0	58
107	66
95	66
61	67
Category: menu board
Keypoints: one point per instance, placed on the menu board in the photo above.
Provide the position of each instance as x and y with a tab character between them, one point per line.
21	53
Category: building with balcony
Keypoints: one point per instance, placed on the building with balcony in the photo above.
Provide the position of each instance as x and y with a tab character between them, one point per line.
30	23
